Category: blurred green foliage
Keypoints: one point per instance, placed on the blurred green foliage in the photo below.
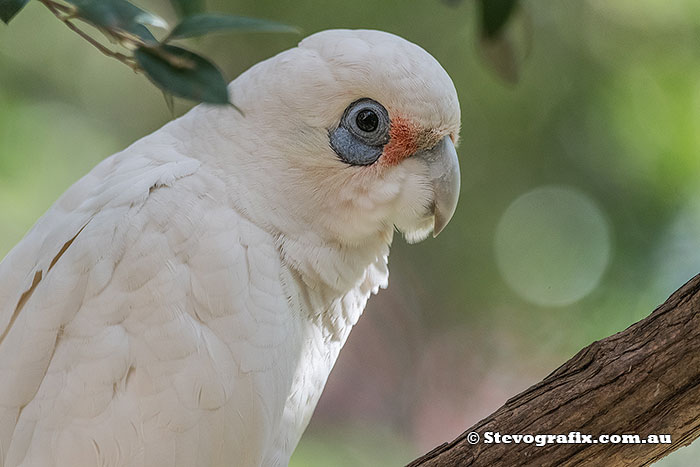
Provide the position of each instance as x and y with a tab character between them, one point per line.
607	106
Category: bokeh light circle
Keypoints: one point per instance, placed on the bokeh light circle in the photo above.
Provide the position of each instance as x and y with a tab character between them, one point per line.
552	245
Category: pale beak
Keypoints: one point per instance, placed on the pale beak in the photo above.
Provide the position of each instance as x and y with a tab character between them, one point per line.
444	176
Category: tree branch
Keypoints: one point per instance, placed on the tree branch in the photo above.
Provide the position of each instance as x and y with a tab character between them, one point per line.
64	13
644	380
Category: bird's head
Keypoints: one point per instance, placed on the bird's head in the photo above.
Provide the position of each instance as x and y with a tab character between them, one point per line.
349	134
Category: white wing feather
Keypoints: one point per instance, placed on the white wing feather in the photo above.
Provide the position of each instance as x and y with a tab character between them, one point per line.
139	322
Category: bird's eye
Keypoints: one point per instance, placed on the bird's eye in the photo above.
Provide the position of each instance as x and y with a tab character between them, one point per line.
367	120
362	133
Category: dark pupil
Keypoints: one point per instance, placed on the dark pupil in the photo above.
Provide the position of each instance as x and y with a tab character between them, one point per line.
367	120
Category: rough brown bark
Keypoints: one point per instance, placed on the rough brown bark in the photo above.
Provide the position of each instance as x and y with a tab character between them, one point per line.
644	380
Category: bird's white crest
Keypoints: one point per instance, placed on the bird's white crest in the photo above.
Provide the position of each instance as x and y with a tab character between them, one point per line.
184	302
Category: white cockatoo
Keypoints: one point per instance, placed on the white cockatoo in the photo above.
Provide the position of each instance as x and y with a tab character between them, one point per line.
184	302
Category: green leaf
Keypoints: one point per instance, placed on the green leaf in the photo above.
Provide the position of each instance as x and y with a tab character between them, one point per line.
500	55
142	32
170	102
205	23
494	15
188	7
9	8
506	51
118	14
183	73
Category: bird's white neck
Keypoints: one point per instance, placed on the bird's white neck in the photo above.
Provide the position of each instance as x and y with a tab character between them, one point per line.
329	311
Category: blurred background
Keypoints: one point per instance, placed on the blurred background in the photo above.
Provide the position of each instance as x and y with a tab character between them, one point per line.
579	212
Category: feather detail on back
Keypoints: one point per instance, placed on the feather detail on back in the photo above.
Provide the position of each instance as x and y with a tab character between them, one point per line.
131	313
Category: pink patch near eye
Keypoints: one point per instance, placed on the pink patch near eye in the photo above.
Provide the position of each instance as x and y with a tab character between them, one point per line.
403	141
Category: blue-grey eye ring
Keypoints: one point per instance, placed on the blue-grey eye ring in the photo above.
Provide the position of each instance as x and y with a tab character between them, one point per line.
362	132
